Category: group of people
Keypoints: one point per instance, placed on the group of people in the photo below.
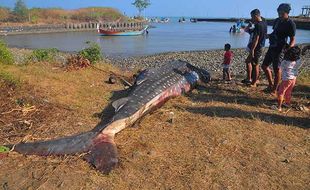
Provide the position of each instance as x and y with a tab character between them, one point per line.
237	27
282	54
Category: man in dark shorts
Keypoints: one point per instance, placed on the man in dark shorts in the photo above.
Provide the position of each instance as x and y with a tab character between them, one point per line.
256	43
283	28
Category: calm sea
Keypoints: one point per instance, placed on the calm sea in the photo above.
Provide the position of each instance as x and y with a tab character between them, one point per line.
168	37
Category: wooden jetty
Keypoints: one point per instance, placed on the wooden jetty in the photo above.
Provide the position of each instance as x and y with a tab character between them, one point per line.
70	27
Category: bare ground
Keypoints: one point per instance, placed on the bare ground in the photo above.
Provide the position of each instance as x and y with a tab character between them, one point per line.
223	136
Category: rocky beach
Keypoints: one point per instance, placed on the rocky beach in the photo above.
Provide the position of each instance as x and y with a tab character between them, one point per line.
209	59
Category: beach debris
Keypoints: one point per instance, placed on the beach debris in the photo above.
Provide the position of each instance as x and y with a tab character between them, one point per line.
77	62
171	117
286	161
25	110
300	107
5	186
112	79
150	90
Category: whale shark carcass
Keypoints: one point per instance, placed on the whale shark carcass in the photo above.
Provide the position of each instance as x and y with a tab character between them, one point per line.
152	89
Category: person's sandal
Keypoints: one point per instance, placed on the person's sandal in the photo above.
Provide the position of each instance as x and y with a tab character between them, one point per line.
275	107
268	89
286	105
247	82
244	81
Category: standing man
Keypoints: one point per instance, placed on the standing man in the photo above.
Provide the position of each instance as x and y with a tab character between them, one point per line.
255	46
283	29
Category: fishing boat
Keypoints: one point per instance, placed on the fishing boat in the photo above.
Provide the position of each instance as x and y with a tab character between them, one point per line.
194	20
182	20
164	20
115	32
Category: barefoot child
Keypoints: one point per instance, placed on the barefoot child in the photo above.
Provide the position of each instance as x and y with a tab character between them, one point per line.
227	62
289	69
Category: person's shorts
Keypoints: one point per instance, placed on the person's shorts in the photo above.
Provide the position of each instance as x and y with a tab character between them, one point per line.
273	56
226	66
257	57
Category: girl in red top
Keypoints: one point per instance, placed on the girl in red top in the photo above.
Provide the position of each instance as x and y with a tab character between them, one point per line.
227	62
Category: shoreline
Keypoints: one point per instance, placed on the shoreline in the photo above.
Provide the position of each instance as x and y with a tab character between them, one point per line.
208	59
45	32
302	24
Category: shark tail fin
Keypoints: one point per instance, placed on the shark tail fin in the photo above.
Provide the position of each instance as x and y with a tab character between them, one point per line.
103	154
62	146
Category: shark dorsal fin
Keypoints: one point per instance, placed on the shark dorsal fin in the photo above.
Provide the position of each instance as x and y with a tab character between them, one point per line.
118	104
142	76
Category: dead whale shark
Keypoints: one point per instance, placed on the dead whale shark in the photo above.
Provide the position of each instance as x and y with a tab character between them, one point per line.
152	89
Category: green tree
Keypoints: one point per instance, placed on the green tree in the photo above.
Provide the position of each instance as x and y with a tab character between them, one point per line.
21	10
141	5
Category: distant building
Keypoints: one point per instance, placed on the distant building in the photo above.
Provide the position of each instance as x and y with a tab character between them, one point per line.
306	11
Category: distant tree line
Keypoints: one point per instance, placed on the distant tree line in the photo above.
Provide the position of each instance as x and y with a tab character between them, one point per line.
21	13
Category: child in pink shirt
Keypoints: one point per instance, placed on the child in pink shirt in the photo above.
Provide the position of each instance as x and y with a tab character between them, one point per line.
289	70
227	62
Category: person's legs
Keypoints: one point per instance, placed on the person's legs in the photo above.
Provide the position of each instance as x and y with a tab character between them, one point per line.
288	93
249	71
277	58
268	74
255	66
281	92
228	74
265	66
280	102
248	66
256	75
224	74
248	63
277	77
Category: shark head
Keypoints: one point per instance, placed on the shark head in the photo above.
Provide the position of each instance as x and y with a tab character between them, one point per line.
204	75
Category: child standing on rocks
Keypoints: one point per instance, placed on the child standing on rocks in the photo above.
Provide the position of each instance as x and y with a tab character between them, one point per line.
227	62
289	70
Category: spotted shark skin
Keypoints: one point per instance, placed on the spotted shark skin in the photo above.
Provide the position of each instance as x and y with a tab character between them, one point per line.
151	90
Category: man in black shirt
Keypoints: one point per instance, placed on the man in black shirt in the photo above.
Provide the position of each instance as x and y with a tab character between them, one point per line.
256	43
283	28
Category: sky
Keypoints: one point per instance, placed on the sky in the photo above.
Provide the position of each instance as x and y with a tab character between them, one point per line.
187	8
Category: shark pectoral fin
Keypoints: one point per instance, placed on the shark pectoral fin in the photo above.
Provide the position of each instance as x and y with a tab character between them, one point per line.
103	155
118	104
